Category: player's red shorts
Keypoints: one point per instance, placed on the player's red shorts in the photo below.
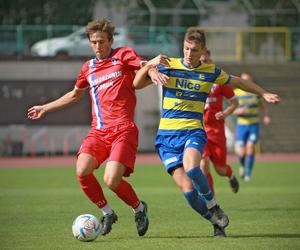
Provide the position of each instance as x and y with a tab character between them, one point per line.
216	150
118	143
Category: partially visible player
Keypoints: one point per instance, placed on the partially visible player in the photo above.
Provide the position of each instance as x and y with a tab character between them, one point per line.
248	128
113	135
215	149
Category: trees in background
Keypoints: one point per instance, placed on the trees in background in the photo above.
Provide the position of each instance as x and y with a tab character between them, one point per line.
74	12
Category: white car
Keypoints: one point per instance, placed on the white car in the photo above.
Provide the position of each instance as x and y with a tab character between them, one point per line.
161	44
76	44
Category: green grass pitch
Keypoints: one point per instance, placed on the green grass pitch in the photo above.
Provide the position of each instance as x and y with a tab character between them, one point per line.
38	205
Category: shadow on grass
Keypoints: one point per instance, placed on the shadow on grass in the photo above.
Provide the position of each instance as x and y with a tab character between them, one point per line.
267	209
276	235
238	236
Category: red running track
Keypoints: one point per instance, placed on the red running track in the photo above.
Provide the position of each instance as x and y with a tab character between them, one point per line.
46	161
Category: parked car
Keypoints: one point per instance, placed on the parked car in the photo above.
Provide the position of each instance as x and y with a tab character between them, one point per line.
148	46
76	44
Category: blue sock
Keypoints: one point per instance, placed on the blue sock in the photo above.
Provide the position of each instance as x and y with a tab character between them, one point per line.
200	182
249	165
242	161
197	203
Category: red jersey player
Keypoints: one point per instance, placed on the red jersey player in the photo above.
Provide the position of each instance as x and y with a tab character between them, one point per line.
214	115
113	135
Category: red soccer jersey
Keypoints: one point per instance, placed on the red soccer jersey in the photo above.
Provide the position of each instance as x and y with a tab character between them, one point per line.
213	105
111	90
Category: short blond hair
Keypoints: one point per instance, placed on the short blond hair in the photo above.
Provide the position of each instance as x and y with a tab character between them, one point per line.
102	25
195	35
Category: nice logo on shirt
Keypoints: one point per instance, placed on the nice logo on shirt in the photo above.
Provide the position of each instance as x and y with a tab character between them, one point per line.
185	84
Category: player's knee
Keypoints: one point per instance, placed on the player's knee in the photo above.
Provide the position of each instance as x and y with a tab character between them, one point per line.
250	148
111	181
85	165
82	170
240	148
221	170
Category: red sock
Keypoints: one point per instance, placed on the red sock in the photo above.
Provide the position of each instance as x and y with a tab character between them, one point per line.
126	193
92	189
228	171
210	181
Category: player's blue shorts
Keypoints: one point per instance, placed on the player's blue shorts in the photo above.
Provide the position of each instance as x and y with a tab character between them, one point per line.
247	133
172	147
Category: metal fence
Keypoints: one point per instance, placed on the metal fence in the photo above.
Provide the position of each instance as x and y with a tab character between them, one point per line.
251	44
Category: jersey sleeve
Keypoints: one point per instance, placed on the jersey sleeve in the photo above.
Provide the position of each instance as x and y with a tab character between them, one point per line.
132	59
163	69
81	81
221	76
227	92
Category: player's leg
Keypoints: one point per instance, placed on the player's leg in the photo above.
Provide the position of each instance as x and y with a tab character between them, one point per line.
190	193
240	146
192	156
204	165
191	159
113	178
85	166
250	156
195	200
250	150
219	160
121	163
170	149
91	154
193	148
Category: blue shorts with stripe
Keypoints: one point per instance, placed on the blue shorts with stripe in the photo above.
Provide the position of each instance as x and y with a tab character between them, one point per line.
247	133
172	147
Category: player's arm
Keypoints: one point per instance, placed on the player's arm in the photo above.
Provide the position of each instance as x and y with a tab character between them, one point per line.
249	86
142	79
240	111
69	98
232	104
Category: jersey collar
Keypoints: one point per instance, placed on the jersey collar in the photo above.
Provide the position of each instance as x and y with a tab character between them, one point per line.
109	56
188	67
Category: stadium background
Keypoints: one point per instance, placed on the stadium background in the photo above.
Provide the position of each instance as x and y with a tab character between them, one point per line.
40	196
243	35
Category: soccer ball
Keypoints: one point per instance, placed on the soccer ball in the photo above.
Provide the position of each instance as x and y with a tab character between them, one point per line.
86	227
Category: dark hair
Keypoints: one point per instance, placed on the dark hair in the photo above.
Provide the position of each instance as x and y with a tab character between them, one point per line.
195	35
103	25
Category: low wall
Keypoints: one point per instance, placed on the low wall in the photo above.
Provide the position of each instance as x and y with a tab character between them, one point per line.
280	136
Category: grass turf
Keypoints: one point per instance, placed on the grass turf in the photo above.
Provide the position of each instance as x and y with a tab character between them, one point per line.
38	205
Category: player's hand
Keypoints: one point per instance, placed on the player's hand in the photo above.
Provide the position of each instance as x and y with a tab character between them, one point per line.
220	115
267	120
157	78
159	60
271	98
35	112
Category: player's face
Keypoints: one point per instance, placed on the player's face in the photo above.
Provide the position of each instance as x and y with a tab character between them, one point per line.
192	52
101	44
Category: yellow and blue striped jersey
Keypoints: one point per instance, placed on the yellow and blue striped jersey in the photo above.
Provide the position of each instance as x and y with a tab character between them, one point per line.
251	103
185	94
